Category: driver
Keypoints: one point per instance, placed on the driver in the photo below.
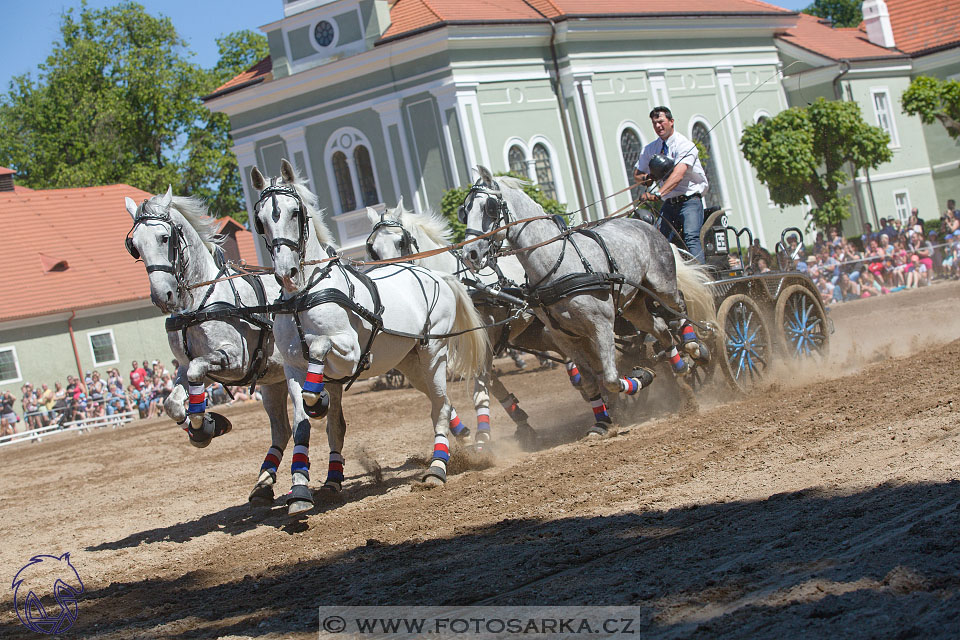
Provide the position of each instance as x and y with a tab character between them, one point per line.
673	160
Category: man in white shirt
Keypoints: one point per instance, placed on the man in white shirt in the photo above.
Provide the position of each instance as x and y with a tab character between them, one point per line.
682	190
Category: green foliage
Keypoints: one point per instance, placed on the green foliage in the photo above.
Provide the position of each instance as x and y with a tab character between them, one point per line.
842	13
117	100
801	152
453	198
934	99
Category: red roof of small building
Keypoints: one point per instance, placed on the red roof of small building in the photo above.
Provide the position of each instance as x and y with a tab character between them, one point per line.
5	172
63	250
817	36
924	25
408	17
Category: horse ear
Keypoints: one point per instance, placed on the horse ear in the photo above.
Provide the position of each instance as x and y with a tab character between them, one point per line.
287	172
399	208
167	197
257	179
486	176
131	207
372	215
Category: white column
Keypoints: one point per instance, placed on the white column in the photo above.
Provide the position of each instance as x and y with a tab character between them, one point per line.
733	125
586	83
389	111
296	141
571	89
658	87
246	152
446	99
462	94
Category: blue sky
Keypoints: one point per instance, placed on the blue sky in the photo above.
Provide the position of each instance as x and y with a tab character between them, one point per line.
29	28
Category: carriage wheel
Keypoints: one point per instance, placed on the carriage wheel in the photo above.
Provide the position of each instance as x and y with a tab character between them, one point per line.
395	379
801	323
748	345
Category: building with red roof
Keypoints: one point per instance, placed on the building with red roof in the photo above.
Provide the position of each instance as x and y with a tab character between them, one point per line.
377	99
71	297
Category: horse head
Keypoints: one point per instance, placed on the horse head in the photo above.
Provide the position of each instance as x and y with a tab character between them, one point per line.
482	210
158	238
388	238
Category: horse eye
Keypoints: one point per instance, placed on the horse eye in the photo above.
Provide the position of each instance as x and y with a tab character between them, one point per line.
164	239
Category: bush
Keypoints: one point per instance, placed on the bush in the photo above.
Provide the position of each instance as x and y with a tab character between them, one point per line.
453	198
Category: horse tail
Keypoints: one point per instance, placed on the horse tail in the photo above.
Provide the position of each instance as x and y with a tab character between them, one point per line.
468	351
692	280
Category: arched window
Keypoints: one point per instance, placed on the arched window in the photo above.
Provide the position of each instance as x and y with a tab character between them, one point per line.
630	148
518	161
351	170
541	160
341	172
368	185
714	196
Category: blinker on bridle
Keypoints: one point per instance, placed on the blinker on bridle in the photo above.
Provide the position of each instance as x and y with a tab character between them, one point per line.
495	207
271	191
408	244
175	256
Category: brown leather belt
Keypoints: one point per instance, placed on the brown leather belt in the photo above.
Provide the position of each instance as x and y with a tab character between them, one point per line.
682	199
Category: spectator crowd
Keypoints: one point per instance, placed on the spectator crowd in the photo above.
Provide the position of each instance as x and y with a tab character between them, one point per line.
899	255
100	396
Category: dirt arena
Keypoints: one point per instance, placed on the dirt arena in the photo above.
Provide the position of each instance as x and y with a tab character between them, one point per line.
826	504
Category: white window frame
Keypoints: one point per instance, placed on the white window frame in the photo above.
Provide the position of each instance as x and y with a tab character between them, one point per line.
113	341
554	167
894	137
330	48
16	364
334	144
713	147
906	195
528	163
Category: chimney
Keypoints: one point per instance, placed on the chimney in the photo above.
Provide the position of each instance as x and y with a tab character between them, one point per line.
6	179
877	20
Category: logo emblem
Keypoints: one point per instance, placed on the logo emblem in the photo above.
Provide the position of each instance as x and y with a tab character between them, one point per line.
45	593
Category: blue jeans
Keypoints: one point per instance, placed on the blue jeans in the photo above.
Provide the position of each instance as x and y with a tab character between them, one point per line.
689	216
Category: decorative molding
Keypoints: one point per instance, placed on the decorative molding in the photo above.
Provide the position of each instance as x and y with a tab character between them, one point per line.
909	173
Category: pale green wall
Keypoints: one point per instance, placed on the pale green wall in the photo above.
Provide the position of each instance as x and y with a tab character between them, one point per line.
46	355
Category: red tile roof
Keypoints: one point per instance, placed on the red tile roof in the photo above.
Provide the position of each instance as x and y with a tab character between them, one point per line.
82	227
413	16
924	25
837	44
5	172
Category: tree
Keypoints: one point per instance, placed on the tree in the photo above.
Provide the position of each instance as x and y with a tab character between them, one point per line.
842	13
117	100
934	99
801	152
453	198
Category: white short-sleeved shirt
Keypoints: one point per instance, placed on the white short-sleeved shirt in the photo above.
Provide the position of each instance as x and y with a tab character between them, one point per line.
680	149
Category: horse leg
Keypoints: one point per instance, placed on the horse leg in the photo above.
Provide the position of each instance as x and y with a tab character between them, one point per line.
336	431
427	368
204	426
275	404
641	317
299	499
316	399
524	434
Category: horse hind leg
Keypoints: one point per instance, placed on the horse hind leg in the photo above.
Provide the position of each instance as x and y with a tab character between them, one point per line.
525	435
274	403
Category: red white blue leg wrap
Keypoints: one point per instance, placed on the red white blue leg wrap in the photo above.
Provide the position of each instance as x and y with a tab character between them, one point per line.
301	460
441	448
687	333
574	373
456	426
483	420
335	468
272	460
198	398
314	381
600	410
676	360
629	386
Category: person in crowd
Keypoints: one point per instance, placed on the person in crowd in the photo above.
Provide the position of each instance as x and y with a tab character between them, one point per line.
819	244
826	288
762	266
30	404
846	289
138	399
96	394
870	285
7	403
48	403
868	235
6	429
116	401
138	375
217	393
886	227
60	404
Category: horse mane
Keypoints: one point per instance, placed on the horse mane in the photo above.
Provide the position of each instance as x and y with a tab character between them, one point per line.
431	224
194	211
510	181
312	203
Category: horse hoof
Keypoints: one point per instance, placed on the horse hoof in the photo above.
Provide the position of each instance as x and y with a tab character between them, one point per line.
527	438
644	375
299	499
213	425
320	405
599	430
298	506
435	476
329	494
261	496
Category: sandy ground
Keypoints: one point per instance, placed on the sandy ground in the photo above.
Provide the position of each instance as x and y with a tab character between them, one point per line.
826	503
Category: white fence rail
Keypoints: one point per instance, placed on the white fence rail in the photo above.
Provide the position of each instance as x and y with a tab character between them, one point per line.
87	424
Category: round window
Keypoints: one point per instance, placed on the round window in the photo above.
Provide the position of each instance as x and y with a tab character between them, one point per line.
323	33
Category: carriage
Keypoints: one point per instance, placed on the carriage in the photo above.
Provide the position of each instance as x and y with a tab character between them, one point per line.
765	316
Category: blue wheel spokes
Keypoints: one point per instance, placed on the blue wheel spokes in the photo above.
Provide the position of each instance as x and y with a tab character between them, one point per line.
745	344
802	326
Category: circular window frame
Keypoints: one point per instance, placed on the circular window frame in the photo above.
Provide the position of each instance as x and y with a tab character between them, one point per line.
333	41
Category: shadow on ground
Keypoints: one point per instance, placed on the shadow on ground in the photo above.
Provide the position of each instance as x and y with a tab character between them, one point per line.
884	562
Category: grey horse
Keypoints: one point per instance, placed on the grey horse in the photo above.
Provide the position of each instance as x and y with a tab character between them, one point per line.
582	284
179	247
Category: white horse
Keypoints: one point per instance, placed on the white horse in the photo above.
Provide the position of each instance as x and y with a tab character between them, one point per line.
400	233
584	282
347	325
209	331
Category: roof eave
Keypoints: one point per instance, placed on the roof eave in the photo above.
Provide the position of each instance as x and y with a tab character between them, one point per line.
237	87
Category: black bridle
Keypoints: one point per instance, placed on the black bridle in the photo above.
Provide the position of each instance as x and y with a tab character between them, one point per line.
176	245
494	207
272	191
408	244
